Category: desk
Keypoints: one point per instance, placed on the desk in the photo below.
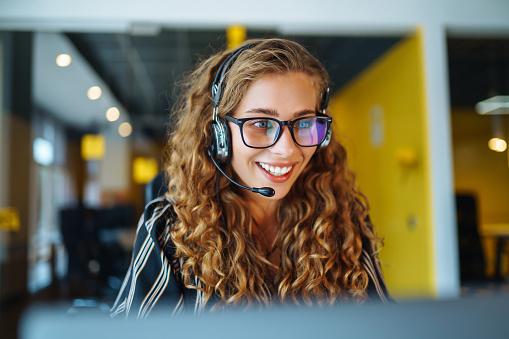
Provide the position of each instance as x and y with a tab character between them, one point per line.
500	232
479	317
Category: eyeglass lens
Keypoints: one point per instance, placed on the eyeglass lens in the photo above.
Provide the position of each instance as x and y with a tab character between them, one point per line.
308	131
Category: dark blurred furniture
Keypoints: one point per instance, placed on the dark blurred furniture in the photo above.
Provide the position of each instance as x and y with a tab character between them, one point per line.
96	254
472	261
501	236
80	238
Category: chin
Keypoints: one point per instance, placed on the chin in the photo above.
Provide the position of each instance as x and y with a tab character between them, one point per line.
280	194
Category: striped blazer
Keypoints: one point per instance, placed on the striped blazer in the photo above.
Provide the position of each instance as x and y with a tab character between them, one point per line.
154	281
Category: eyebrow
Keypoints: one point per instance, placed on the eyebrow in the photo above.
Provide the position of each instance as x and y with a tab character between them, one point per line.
274	113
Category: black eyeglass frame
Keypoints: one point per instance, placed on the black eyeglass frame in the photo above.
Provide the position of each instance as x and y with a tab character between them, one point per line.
289	123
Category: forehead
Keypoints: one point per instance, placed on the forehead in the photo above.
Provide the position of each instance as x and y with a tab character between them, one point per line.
284	93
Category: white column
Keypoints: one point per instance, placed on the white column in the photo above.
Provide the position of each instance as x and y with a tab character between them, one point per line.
440	153
116	167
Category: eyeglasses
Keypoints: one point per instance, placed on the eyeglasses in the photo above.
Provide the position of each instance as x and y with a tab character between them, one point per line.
265	132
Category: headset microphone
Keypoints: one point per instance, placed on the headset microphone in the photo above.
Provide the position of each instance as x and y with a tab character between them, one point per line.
265	191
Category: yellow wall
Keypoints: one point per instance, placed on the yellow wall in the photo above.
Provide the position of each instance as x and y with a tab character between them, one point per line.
395	174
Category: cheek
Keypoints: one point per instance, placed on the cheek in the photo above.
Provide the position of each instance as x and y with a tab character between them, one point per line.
240	153
308	153
235	136
236	145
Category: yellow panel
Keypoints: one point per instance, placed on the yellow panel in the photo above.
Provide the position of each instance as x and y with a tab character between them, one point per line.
144	170
380	117
93	146
9	219
235	35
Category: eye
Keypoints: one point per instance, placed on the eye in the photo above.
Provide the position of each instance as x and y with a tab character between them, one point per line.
262	123
303	124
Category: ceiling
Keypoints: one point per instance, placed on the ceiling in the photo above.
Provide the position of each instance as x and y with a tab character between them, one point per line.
140	70
478	69
62	90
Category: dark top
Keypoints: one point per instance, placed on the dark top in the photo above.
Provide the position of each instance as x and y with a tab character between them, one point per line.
154	281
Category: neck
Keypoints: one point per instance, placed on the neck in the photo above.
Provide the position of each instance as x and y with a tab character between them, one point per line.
262	210
264	214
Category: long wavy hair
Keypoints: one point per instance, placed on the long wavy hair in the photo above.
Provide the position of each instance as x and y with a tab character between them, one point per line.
320	221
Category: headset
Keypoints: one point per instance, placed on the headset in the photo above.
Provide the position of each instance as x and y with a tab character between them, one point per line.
221	138
220	147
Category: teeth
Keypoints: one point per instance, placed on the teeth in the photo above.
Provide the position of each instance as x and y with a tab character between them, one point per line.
275	170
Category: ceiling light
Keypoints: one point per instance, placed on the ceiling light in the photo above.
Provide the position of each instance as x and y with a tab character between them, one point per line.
63	60
94	92
496	105
112	114
497	144
125	129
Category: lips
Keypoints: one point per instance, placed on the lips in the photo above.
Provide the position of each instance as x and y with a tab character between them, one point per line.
275	170
274	173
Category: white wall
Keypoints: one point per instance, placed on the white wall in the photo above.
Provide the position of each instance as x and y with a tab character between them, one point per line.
115	167
327	16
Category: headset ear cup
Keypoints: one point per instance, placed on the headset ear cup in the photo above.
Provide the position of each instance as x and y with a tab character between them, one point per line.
228	142
221	141
326	141
213	144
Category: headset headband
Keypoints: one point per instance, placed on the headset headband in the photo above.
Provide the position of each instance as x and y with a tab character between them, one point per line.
217	84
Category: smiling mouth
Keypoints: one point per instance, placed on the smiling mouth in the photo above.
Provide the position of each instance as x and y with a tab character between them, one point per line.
275	170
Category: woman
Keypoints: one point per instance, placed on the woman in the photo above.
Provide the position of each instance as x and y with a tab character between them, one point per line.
296	232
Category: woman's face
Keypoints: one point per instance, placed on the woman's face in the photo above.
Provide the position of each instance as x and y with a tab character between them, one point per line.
283	97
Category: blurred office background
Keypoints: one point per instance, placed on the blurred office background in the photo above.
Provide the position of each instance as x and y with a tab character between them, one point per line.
420	100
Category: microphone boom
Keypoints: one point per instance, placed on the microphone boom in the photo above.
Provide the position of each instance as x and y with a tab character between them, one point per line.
265	191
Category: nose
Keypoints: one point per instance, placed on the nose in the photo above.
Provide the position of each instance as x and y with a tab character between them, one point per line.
285	145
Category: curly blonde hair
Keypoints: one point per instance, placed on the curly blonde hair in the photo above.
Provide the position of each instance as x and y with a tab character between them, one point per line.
321	220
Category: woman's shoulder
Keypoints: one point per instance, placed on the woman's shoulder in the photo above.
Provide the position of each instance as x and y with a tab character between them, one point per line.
152	277
377	288
366	233
159	209
157	220
159	206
